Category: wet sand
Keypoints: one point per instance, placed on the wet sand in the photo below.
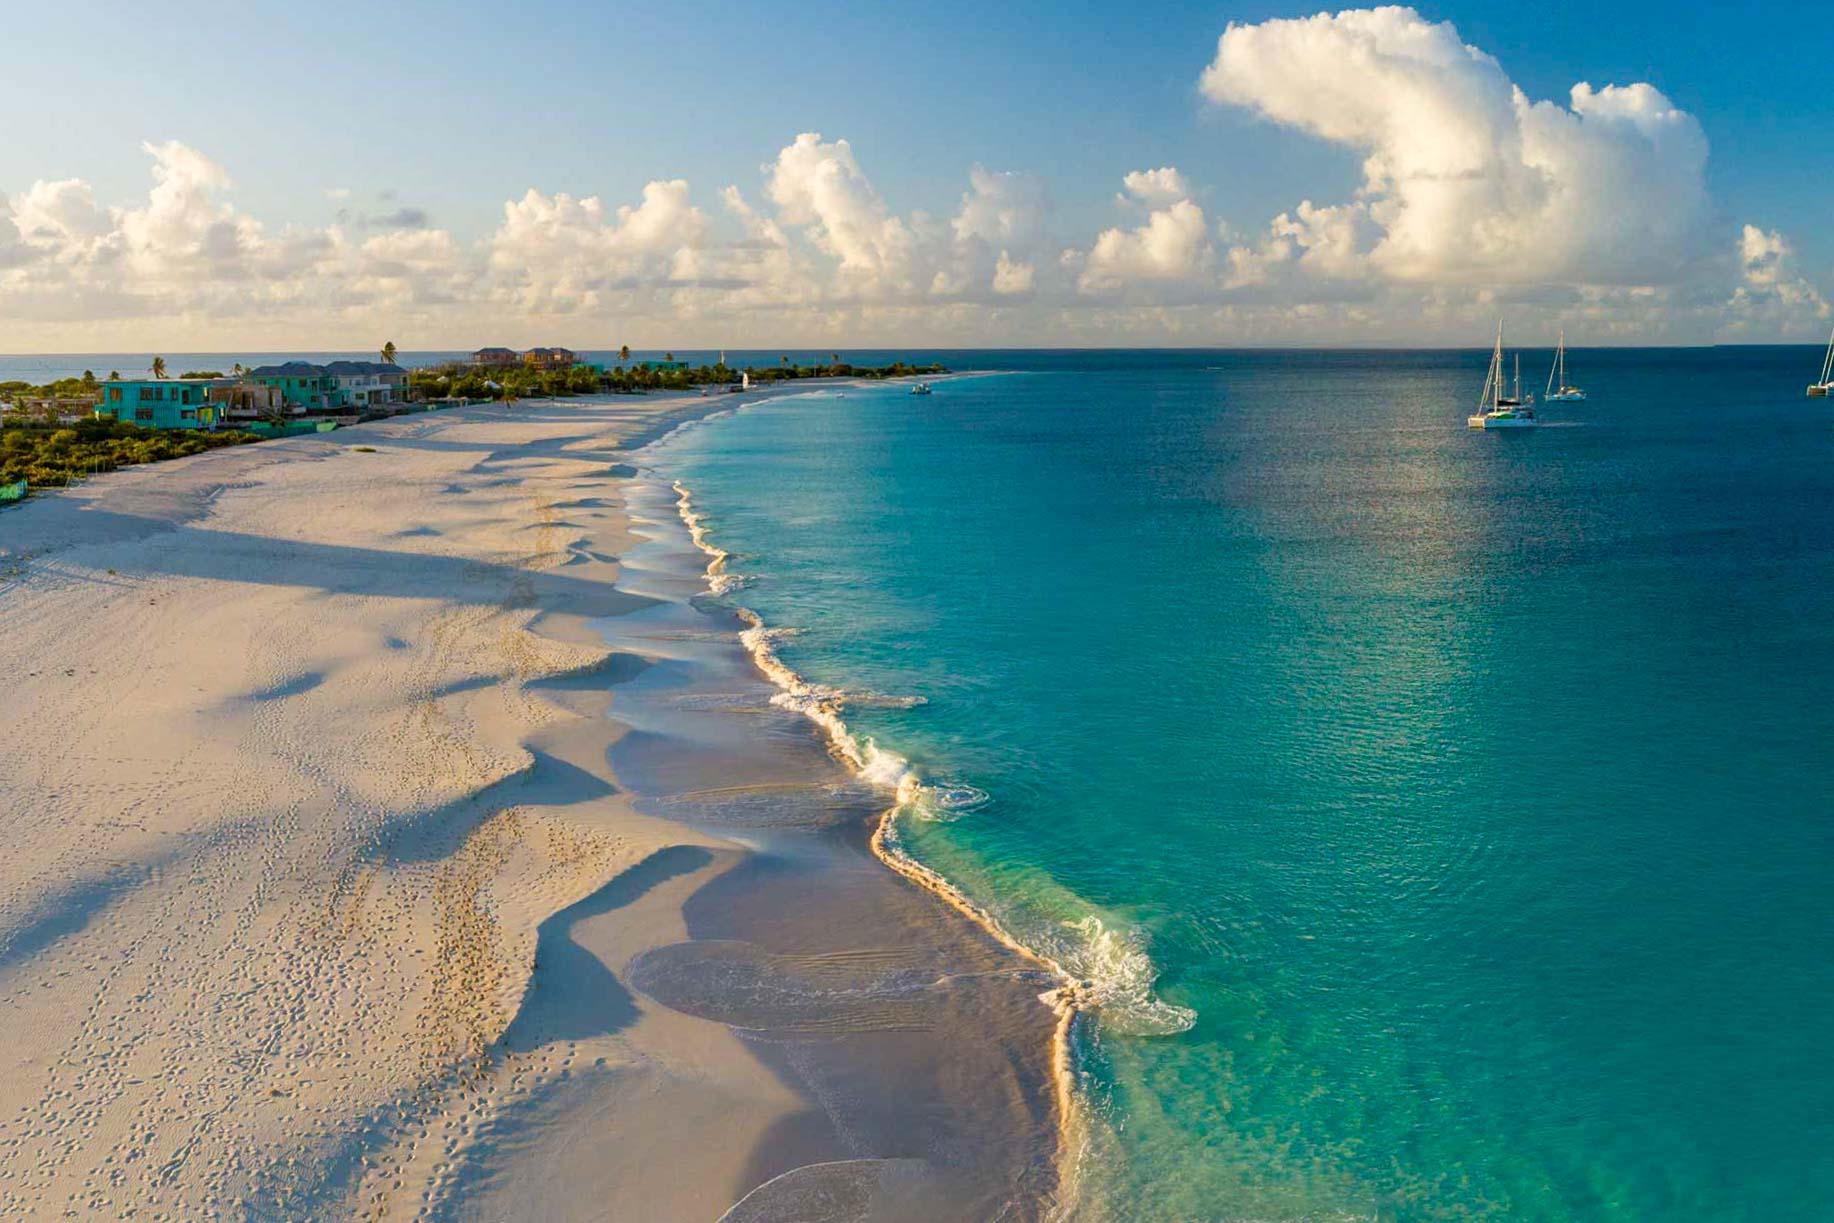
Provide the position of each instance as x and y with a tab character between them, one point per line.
393	835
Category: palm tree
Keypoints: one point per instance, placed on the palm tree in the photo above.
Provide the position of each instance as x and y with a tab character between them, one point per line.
89	380
388	352
623	354
784	360
114	375
238	369
159	367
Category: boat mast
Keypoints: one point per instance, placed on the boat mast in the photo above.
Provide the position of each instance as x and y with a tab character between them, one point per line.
1493	378
1827	365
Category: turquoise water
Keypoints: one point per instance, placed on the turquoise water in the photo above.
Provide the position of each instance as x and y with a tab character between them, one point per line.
1468	795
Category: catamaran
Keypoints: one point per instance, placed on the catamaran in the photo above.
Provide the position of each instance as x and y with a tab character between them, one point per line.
1825	387
921	388
1495	409
1558	391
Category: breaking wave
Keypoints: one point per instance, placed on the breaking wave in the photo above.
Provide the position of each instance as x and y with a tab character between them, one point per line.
1098	968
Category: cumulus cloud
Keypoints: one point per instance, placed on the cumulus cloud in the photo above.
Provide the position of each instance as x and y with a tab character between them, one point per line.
1473	199
1772	292
61	216
1011	278
1466	181
561	254
819	185
1305	246
1162	186
1172	245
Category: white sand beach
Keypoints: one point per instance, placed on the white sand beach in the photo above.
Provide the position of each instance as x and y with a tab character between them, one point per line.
317	893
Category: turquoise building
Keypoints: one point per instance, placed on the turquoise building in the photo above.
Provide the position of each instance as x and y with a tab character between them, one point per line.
159	403
339	386
304	386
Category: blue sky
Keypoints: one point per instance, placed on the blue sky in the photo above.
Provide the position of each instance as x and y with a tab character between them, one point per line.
453	109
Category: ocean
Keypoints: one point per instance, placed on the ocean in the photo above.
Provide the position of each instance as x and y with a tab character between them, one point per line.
1441	819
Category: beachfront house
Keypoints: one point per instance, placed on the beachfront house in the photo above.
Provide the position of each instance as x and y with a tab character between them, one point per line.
337	387
159	403
302	385
365	384
550	358
495	356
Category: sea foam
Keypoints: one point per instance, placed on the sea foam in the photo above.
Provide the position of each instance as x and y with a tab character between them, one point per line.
1098	967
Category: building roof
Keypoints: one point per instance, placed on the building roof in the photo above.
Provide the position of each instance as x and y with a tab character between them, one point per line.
305	369
362	367
152	381
287	369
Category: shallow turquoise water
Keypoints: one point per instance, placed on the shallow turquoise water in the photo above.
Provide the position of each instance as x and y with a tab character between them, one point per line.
1472	791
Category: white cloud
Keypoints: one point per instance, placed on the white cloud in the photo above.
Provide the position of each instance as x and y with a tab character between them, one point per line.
1473	200
60	216
1162	186
1307	245
1465	181
1011	278
1772	292
1002	209
184	228
1172	245
558	253
819	185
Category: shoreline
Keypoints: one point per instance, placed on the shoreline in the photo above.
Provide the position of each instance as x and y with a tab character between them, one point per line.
413	723
1068	998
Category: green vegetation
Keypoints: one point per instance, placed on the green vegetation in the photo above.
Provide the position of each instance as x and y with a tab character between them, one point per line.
63	388
202	373
51	456
513	382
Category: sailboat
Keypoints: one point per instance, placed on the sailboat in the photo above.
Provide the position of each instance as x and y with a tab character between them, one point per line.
1825	387
1557	389
1497	409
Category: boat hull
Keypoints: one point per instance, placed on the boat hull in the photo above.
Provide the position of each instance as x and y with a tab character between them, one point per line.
1482	421
1566	397
1820	390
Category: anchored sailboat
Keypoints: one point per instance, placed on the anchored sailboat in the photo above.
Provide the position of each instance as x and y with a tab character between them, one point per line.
1497	409
1826	385
1558	391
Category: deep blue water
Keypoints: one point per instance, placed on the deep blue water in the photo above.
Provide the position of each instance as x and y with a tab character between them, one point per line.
1471	791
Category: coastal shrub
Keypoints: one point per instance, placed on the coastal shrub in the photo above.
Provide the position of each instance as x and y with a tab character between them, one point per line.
524	382
54	457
